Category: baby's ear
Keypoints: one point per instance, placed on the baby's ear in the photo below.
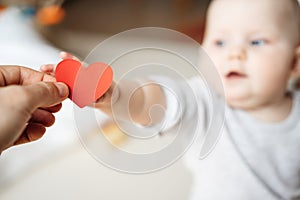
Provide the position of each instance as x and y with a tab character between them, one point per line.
296	63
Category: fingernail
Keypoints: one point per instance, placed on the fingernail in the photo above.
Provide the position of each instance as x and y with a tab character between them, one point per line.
63	89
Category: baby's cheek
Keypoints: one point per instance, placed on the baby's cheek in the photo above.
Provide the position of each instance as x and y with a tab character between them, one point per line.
270	85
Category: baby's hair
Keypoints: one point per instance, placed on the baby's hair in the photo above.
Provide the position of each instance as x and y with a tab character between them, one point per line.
295	2
296	6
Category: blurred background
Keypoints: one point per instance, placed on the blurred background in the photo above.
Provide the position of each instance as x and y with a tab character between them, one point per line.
104	17
32	32
94	20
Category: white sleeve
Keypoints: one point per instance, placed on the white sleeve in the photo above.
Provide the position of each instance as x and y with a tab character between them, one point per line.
182	100
173	104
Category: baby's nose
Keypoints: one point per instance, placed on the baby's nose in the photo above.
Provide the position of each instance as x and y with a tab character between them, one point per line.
237	53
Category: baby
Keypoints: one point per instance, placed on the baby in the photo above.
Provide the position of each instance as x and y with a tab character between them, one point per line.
255	46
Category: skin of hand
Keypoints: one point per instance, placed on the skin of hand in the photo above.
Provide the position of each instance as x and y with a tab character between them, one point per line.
139	101
28	100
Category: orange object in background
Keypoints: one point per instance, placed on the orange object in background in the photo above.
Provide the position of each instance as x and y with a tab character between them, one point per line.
50	15
2	8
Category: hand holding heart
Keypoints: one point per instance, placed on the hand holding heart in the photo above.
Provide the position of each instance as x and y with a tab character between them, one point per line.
86	84
94	86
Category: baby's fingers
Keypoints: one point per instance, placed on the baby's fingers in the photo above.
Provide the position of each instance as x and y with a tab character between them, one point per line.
64	55
48	69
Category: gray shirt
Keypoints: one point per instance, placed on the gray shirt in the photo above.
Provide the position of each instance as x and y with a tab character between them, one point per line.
251	160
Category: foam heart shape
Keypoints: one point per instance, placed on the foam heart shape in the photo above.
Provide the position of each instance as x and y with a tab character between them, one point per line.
86	84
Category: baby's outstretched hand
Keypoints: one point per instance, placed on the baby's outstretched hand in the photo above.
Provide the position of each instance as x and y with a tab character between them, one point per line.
50	68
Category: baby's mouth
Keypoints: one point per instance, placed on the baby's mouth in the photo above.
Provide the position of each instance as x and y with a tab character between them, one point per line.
235	75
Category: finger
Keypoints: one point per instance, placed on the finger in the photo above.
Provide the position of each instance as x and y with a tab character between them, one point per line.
32	133
35	131
65	55
48	69
43	94
42	117
110	96
53	109
16	75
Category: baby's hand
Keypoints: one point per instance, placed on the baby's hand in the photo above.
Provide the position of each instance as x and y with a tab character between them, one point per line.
50	68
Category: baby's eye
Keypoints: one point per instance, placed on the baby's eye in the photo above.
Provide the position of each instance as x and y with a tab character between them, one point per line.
258	42
220	43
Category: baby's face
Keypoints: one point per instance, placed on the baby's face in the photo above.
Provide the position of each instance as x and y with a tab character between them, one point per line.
252	48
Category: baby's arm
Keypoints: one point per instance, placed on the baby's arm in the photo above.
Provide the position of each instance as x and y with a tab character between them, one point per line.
127	100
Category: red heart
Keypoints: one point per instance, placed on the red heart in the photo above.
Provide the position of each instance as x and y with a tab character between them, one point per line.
86	84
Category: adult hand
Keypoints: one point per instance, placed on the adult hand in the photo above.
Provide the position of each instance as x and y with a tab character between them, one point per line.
27	100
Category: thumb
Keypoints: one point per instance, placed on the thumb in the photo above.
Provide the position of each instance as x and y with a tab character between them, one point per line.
45	94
